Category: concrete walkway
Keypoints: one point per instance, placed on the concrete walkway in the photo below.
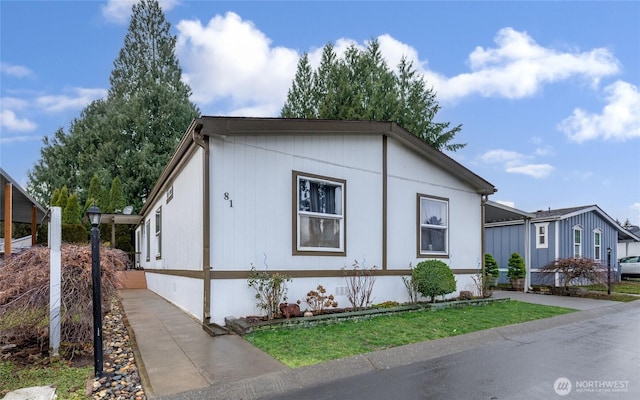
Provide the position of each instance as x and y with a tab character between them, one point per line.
179	360
577	303
174	354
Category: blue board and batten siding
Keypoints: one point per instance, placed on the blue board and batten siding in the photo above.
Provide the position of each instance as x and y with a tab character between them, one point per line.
503	240
589	222
542	255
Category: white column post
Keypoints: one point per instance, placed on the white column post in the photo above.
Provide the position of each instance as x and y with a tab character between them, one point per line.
55	279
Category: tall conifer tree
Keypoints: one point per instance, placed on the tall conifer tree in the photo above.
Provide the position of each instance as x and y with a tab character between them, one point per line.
361	86
133	132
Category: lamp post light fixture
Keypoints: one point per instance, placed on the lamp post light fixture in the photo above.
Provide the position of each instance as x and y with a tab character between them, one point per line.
94	215
609	271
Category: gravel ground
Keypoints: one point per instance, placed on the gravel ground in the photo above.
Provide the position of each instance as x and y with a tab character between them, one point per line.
121	378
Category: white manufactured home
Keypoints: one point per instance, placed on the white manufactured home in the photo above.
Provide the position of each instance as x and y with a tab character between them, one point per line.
305	198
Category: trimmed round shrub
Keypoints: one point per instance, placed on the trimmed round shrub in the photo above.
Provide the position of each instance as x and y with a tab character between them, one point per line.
434	278
517	268
491	266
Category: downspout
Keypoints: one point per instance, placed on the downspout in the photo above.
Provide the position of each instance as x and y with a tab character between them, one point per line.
483	205
8	215
384	202
203	141
34	224
527	253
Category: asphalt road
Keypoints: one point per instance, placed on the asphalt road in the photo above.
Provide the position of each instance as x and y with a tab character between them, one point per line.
591	359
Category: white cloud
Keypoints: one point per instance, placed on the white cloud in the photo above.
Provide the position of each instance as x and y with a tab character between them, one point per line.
533	170
10	121
13	103
230	59
119	11
79	98
17	71
516	163
502	156
394	50
619	119
519	67
15	139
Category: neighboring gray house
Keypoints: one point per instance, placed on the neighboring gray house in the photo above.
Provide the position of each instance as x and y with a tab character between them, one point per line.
543	236
627	245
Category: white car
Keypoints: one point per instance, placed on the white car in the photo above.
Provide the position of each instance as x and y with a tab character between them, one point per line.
629	266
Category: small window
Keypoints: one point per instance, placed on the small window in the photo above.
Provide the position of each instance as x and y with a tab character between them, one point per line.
577	241
147	234
597	252
159	233
319	214
433	226
542	235
169	194
138	247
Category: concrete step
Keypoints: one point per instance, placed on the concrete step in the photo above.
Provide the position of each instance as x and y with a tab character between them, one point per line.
131	279
215	329
32	393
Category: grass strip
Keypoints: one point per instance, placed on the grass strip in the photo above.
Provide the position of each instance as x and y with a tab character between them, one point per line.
70	382
628	287
297	347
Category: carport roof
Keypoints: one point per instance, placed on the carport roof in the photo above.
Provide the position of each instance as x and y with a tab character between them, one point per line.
22	202
496	212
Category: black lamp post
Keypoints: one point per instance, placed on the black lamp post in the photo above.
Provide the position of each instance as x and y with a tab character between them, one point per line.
609	271
94	217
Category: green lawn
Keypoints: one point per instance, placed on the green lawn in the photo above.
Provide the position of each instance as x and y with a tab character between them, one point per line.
631	286
297	347
70	382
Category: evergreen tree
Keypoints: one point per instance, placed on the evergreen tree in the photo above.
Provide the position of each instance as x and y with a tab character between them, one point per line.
153	101
55	168
97	195
361	86
116	198
300	95
71	212
63	197
133	132
55	198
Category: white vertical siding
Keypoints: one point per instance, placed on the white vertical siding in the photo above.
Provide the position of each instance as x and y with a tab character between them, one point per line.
256	172
386	288
251	211
185	293
181	238
182	219
181	222
410	174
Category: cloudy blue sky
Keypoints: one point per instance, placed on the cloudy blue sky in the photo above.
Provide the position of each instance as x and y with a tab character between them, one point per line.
547	92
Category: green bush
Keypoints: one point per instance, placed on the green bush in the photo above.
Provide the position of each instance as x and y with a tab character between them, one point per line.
271	290
74	233
516	267
434	278
491	266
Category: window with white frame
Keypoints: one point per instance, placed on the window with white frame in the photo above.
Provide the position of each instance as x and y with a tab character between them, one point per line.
597	250
577	241
542	235
319	214
433	226
159	232
147	234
